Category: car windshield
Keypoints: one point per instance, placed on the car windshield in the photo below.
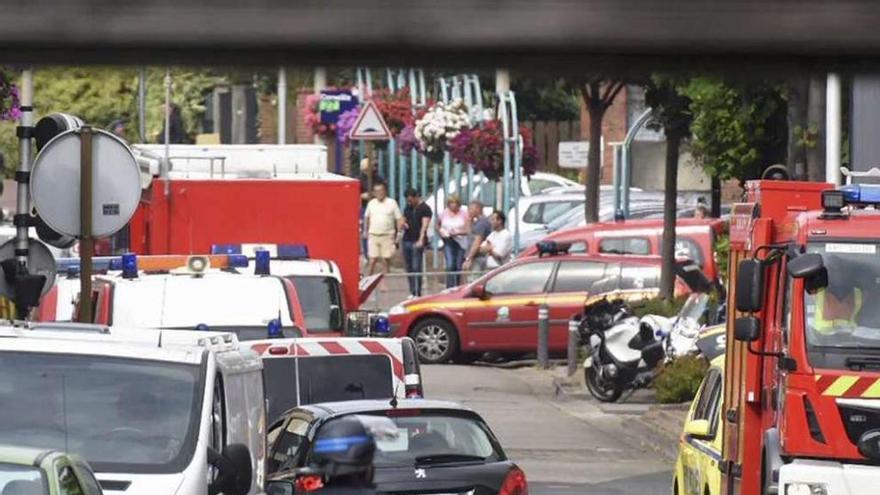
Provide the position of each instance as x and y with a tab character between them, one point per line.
321	302
844	315
326	379
121	415
16	479
436	438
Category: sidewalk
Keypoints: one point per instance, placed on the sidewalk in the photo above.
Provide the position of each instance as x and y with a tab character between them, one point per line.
657	427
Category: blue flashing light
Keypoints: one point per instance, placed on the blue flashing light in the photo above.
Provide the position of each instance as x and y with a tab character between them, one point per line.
861	193
203	327
129	265
262	261
237	261
382	326
274	329
226	249
339	444
293	251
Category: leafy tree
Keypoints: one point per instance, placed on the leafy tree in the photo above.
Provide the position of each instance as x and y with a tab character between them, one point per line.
738	129
598	95
101	95
670	109
545	100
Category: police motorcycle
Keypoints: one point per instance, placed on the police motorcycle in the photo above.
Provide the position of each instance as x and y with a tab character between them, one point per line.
624	351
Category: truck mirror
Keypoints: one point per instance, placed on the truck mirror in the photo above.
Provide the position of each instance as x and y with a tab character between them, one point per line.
750	286
280	487
805	265
234	470
336	316
747	329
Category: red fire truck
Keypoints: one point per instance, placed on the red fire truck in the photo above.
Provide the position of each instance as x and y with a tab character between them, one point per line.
801	409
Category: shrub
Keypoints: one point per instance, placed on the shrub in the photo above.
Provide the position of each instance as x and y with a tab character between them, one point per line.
680	379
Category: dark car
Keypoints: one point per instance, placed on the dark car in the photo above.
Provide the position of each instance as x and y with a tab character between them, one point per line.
442	447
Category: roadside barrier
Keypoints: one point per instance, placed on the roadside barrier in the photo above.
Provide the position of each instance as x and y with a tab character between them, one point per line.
574	341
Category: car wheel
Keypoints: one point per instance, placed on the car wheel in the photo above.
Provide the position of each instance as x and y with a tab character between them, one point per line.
436	340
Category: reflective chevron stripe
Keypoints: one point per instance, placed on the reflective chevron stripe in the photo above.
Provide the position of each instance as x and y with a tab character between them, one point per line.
866	387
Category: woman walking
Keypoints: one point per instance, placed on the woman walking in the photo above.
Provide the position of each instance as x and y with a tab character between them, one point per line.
454	227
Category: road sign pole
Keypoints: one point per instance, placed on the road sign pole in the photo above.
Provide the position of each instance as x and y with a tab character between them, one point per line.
86	242
25	131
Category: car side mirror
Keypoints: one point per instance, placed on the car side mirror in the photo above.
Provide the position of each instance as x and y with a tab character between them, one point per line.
280	487
698	428
479	291
747	329
750	286
234	469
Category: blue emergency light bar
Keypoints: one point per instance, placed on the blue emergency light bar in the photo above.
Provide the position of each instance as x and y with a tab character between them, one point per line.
284	251
861	193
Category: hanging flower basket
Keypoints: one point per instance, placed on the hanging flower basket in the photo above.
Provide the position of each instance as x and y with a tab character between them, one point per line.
483	149
440	124
396	109
10	105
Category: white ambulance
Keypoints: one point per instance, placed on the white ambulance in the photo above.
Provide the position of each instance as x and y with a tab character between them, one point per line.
152	411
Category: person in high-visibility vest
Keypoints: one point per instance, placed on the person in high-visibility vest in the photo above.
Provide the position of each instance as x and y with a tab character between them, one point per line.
837	307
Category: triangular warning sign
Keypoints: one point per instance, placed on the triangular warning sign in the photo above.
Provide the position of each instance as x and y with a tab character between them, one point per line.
370	125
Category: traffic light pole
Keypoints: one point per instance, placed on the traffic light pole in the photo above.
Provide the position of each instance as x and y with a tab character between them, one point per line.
86	241
22	177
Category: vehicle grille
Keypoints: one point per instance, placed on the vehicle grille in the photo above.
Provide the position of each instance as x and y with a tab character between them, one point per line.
858	420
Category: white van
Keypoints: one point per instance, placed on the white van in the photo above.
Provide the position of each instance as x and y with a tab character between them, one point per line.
170	412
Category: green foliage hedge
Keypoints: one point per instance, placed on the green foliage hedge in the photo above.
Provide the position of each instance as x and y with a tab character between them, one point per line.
679	380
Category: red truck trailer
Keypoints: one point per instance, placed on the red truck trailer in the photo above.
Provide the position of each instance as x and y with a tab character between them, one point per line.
189	216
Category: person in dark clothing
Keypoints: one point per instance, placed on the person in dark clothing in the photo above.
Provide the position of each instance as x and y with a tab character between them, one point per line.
416	220
176	130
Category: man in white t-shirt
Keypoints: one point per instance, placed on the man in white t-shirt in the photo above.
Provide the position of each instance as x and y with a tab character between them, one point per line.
381	221
499	243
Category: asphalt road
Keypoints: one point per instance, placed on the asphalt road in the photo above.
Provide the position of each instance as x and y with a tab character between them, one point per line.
565	448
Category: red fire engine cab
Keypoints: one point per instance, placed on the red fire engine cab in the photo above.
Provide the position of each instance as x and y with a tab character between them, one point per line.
801	411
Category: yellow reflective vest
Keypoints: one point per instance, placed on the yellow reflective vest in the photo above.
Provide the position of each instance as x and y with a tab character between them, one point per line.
824	323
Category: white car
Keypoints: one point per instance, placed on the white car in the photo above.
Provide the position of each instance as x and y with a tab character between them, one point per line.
534	212
485	189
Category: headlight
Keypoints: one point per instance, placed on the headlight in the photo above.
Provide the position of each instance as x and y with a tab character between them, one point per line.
399	309
806	489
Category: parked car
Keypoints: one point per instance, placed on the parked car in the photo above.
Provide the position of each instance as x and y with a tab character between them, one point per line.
695	240
304	371
32	471
485	189
499	311
441	447
534	212
699	452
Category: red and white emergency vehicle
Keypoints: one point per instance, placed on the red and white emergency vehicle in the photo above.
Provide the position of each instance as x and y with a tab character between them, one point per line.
311	370
150	410
191	292
801	410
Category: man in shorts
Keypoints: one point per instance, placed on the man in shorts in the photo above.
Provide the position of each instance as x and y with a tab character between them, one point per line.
382	219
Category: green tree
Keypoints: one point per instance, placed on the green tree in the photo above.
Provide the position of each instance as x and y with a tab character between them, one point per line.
738	129
545	100
101	95
670	110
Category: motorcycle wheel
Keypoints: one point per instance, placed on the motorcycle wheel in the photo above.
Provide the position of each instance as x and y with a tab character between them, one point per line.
602	391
